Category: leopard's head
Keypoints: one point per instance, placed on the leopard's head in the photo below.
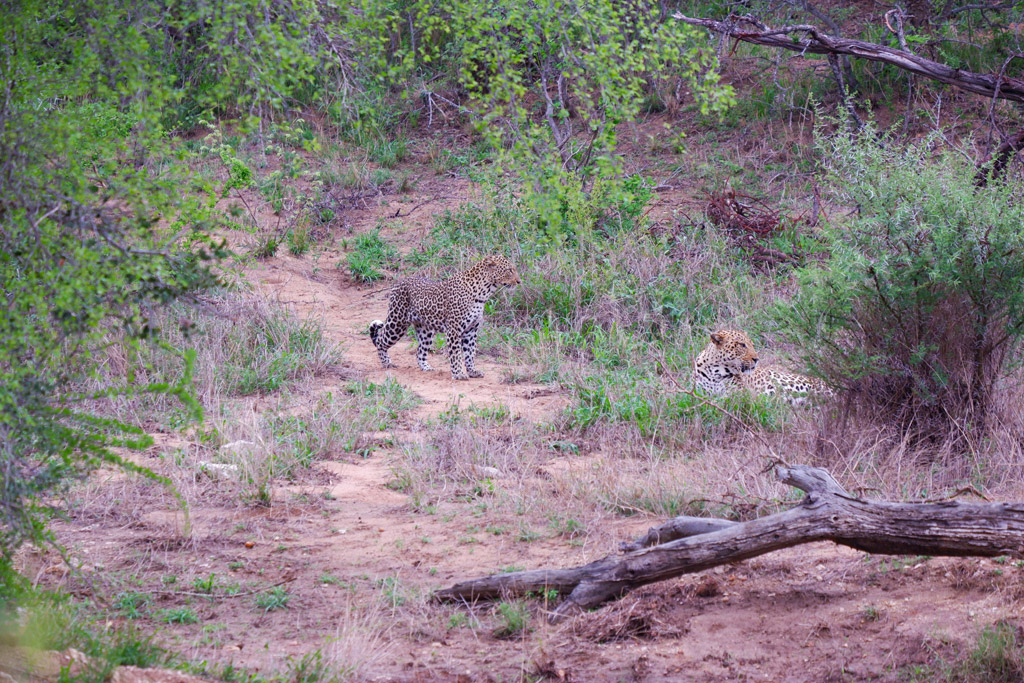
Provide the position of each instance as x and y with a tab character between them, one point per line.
498	270
734	350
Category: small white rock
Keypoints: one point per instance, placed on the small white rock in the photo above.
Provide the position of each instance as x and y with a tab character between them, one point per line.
485	471
239	448
216	470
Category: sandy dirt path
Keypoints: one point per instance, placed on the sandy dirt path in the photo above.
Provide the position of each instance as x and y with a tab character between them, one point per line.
346	310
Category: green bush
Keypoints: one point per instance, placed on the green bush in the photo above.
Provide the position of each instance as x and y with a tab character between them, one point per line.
920	308
86	175
585	67
549	84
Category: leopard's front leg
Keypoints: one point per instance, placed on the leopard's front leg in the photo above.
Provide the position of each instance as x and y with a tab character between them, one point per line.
468	341
455	354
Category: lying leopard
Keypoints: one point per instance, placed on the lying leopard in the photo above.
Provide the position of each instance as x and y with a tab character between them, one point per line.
729	362
454	306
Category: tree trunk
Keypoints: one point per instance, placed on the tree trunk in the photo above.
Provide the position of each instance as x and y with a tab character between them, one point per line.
828	513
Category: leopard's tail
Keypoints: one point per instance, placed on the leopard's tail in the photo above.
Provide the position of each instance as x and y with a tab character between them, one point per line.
375	327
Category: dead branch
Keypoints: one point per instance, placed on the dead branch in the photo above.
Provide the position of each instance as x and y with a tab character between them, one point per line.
726	211
748	221
827	513
1000	159
677	527
983	6
808	39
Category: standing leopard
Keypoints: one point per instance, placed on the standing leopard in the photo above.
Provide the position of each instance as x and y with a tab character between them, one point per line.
729	362
454	306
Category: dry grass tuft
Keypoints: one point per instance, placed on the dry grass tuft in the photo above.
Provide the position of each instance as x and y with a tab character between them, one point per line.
640	616
361	641
458	456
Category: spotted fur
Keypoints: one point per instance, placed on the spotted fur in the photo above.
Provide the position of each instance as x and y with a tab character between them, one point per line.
454	306
729	362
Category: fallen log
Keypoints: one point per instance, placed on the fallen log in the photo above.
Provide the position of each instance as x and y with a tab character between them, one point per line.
827	513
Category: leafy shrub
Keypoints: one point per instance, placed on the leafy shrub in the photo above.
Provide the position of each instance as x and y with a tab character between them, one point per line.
586	63
298	134
273	188
239	174
920	309
549	83
299	240
76	272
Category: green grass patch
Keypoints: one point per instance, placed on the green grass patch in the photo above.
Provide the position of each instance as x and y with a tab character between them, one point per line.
276	598
299	240
629	397
371	253
388	153
178	615
269	352
513	619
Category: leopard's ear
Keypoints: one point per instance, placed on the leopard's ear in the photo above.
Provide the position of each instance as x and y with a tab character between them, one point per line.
717	339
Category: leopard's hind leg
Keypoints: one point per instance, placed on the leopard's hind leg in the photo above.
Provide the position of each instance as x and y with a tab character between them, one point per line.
424	343
386	333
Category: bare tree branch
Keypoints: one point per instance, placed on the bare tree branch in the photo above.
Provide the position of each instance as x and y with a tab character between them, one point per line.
844	60
814	41
991	6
